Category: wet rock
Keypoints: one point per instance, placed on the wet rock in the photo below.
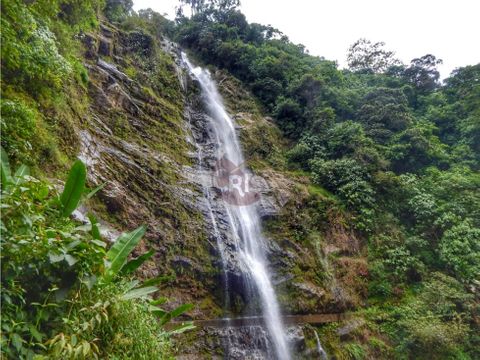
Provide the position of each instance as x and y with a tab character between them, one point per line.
112	69
275	191
309	290
119	98
108	30
91	44
114	204
140	43
99	96
180	263
105	46
239	343
296	339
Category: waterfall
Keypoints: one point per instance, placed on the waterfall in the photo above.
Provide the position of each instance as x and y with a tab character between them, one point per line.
243	218
321	351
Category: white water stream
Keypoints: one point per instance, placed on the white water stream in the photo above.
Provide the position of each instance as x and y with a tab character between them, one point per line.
243	219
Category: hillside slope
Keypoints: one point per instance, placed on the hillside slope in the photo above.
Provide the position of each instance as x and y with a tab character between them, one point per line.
368	181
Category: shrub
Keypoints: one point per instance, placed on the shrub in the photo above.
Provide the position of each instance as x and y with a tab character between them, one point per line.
30	56
18	128
346	178
62	291
308	148
432	325
289	117
460	250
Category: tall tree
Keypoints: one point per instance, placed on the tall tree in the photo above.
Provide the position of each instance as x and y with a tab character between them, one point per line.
423	73
118	9
366	56
201	6
383	113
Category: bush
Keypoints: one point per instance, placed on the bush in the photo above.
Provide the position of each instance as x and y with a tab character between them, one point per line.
345	139
308	148
289	117
346	178
117	10
30	56
18	128
432	325
63	294
111	327
460	250
44	257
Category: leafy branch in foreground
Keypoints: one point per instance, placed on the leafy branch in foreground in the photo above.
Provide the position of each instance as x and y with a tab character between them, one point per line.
64	295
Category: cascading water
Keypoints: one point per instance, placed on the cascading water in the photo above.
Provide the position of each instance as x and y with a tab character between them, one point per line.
244	221
321	351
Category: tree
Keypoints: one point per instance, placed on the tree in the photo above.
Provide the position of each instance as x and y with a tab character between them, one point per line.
350	181
365	56
117	10
423	73
289	117
383	113
344	139
415	148
203	6
460	249
306	90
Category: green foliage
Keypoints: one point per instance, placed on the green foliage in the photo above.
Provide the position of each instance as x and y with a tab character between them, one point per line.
41	69
30	55
344	139
118	253
365	56
383	113
5	172
304	151
106	324
117	10
153	22
432	325
415	148
349	180
355	351
423	74
460	249
18	128
289	117
399	151
52	303
74	188
134	264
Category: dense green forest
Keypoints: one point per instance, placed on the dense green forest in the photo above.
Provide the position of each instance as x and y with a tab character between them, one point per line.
396	149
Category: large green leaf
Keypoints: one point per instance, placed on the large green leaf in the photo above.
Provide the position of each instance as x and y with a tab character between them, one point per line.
182	328
74	188
21	172
94	191
175	312
134	264
123	246
4	168
95	229
158	280
139	292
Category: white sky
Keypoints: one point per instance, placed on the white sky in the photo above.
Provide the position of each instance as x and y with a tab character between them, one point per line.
448	29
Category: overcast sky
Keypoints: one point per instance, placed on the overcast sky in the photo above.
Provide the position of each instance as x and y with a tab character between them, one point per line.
448	29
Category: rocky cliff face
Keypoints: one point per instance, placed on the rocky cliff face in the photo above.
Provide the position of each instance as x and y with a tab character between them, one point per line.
142	136
136	138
